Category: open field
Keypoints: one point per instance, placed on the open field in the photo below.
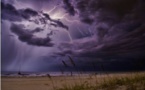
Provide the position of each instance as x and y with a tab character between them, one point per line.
124	81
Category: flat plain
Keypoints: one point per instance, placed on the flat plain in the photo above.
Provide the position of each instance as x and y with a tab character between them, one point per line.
118	81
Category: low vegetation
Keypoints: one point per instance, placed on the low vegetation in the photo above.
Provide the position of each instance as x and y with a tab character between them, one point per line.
134	81
128	81
120	81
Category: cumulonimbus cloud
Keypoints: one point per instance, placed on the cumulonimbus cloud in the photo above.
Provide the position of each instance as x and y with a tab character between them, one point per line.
69	7
27	36
119	29
10	13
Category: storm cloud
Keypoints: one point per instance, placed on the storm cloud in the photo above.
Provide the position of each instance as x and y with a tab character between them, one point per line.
27	36
69	8
118	33
108	32
9	12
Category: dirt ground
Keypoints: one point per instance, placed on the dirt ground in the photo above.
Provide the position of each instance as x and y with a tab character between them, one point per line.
38	83
47	83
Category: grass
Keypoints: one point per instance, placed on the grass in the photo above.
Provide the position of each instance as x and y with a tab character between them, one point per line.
130	82
124	81
134	81
120	81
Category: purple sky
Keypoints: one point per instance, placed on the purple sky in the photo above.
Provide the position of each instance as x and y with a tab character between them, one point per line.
38	34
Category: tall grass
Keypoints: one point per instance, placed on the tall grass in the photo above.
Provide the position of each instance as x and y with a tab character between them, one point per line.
127	82
64	63
135	81
72	61
50	77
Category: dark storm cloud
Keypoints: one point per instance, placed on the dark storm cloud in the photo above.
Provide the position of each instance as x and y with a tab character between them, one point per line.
129	45
27	13
104	10
119	29
37	30
60	24
46	16
27	36
110	12
69	8
9	12
55	23
119	34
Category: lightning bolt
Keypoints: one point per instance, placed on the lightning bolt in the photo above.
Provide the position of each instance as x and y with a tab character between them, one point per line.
52	9
58	15
89	29
82	33
72	21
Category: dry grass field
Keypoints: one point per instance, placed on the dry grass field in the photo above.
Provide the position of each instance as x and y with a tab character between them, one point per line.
124	81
